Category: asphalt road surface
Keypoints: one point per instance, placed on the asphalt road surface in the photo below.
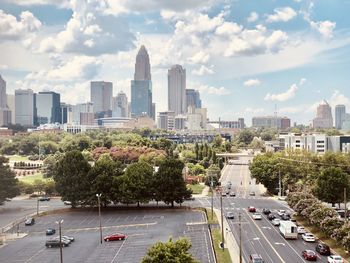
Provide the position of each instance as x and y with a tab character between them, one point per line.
143	228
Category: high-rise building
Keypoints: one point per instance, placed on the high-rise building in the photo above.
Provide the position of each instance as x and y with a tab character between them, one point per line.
141	86
83	113
324	119
12	107
48	107
25	107
101	95
166	120
271	122
340	111
66	113
5	113
193	99
120	105
177	89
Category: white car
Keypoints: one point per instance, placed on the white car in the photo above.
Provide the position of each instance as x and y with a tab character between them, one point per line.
257	216
276	222
308	237
335	259
281	212
301	230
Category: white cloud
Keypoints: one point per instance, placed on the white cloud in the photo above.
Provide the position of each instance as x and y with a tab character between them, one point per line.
213	90
290	93
252	82
302	81
199	57
90	31
253	17
61	3
3	66
228	29
253	110
325	28
203	70
283	14
338	98
12	29
291	110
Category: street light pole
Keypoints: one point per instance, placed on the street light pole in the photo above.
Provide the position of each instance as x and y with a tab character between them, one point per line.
37	206
212	198
279	183
60	232
99	215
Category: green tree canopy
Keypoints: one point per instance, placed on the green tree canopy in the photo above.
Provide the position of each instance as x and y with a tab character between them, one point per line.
8	181
170	252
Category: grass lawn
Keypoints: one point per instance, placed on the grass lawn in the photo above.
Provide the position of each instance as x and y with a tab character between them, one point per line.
196	188
210	220
329	241
31	178
17	158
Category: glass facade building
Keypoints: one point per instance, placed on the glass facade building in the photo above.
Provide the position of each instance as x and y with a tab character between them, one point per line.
141	98
48	107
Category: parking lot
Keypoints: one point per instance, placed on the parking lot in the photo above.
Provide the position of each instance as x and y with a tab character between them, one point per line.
143	228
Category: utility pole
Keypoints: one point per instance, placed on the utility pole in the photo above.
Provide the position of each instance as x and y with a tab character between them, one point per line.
345	203
240	237
212	197
60	232
99	215
37	206
222	224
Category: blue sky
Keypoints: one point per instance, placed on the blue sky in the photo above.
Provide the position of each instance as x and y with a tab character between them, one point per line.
245	56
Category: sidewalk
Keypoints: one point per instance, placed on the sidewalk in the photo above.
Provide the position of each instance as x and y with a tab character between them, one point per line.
230	241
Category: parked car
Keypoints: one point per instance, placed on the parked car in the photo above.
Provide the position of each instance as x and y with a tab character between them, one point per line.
301	230
281	212
232	194
308	237
252	193
67	202
72	239
276	222
255	258
257	216
56	243
309	255
266	211
114	237
334	259
44	198
30	221
323	249
50	231
271	216
230	215
285	217
63	239
251	209
223	193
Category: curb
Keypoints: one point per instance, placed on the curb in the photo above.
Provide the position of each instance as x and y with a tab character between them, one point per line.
211	239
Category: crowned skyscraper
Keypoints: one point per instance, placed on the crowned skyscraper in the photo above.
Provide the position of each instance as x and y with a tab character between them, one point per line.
141	86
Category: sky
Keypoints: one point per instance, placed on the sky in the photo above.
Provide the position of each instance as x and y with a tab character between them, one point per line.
246	57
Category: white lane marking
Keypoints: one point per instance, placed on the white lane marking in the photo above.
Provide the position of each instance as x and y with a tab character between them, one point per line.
256	238
37	253
206	245
266	227
116	254
276	243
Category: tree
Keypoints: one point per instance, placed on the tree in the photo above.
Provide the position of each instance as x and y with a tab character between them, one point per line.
217	141
330	185
196	150
8	182
170	185
71	177
328	225
138	182
245	137
170	252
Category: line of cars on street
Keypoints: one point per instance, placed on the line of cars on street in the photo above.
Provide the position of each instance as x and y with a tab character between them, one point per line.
284	221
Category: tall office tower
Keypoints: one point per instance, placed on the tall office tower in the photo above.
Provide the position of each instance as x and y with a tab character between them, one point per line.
141	86
5	113
177	89
66	113
324	119
193	99
11	105
83	113
25	107
120	105
48	108
101	95
340	111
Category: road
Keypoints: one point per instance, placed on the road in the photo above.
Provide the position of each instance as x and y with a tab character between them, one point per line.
258	236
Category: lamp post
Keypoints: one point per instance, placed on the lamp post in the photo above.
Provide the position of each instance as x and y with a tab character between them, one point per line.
60	232
240	237
37	206
99	215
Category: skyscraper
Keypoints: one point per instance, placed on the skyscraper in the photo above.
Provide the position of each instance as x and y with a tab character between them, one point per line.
141	86
193	99
177	89
48	107
25	107
324	119
11	105
340	111
120	105
83	113
101	95
5	113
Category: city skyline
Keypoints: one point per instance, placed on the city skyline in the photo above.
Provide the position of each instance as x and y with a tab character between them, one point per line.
297	62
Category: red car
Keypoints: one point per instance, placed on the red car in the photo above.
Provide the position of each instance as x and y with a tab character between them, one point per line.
309	255
115	237
251	209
